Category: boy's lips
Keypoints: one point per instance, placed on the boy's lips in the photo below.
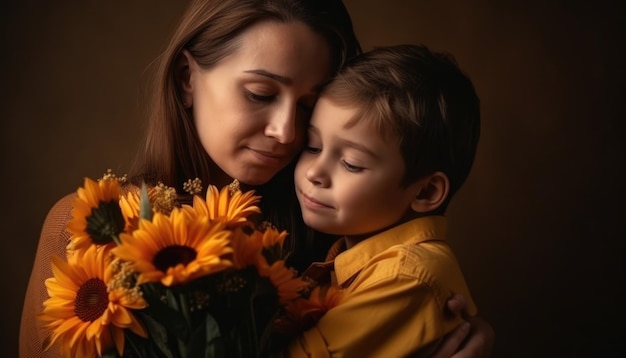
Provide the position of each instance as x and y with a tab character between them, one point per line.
313	203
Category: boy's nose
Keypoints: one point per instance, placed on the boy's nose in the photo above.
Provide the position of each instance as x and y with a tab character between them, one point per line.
317	175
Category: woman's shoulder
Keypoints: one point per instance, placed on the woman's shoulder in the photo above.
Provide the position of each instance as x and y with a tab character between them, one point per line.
53	241
54	235
61	210
64	203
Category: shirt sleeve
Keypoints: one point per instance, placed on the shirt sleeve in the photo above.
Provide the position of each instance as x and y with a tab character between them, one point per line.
388	315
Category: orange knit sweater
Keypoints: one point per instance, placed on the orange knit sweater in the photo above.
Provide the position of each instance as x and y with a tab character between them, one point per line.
53	241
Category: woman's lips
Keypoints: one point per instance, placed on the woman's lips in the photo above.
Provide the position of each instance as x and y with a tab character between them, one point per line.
267	158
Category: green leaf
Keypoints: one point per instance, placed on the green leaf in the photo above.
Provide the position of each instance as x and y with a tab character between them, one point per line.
158	337
206	340
111	353
214	347
166	313
145	208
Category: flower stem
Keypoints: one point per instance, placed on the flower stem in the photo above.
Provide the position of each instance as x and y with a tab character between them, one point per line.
184	309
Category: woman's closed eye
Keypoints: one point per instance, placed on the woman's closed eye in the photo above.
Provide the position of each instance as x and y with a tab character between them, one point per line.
260	98
313	150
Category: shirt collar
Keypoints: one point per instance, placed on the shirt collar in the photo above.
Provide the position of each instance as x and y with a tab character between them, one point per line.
350	262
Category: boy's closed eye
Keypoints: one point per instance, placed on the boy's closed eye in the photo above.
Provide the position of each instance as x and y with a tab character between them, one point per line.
351	167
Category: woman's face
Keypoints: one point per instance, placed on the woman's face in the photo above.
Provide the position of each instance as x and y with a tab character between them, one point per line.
251	110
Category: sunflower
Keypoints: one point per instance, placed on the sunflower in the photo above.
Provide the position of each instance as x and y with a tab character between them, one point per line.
247	248
230	205
161	199
303	313
175	249
129	205
272	241
96	215
81	313
288	284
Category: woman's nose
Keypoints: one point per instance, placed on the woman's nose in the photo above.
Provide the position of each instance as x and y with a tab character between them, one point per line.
282	125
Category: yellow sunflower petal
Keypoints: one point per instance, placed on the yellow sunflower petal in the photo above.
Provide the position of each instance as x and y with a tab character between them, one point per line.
246	248
175	248
122	318
129	204
272	237
64	274
78	321
138	329
78	333
118	338
286	282
60	290
94	328
231	208
96	213
150	276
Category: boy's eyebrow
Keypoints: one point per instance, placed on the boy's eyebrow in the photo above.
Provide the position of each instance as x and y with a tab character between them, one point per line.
348	143
274	76
359	147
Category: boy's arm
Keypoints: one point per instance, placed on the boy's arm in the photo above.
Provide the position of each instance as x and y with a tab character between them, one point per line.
472	339
388	318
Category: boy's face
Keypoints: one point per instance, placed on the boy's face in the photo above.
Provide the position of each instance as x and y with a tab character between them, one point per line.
348	179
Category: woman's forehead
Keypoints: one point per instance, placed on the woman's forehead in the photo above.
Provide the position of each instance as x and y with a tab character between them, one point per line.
290	51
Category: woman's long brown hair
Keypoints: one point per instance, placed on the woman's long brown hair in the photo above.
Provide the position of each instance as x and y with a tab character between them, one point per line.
209	29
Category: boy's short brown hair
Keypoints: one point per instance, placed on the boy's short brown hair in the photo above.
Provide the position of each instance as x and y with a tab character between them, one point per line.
421	99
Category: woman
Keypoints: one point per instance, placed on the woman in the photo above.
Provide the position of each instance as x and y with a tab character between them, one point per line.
232	96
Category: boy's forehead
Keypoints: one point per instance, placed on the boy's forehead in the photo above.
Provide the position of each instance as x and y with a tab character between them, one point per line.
349	114
348	124
329	110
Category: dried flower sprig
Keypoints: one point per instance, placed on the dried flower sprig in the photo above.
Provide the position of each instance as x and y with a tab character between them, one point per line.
162	198
109	175
193	187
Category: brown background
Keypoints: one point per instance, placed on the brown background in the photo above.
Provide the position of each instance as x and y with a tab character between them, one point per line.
539	227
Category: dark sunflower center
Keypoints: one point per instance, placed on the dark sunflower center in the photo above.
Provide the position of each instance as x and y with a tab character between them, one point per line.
105	222
91	300
172	256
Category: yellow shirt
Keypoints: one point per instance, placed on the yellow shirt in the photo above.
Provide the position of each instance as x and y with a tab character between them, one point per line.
396	285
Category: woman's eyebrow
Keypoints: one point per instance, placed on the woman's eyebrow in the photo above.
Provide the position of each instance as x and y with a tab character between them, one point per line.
279	78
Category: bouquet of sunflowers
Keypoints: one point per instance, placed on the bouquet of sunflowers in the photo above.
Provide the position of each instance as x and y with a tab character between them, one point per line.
148	277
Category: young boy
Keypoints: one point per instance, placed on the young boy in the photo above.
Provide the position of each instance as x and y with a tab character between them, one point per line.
391	140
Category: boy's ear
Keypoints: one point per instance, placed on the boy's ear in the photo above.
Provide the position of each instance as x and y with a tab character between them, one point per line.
184	65
432	192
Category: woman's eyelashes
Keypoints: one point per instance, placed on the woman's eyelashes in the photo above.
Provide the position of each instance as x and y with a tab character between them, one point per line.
305	106
259	98
312	149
